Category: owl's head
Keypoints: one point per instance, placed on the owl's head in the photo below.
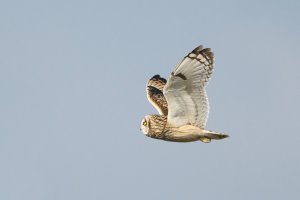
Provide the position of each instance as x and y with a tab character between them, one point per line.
154	125
145	125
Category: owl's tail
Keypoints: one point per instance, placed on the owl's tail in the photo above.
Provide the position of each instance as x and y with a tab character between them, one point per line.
209	135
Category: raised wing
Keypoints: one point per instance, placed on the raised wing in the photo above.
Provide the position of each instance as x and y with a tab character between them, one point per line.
155	94
185	89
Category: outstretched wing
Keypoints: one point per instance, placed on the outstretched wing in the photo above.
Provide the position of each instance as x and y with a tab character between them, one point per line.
185	89
155	94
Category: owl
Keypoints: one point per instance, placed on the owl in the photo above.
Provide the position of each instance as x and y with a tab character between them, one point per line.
181	101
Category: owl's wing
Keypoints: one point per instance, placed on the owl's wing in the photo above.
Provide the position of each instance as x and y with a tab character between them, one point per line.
155	94
185	89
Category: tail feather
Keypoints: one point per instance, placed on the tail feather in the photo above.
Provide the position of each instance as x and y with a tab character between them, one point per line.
214	135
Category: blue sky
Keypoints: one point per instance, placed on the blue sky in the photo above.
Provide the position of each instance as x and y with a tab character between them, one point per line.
72	82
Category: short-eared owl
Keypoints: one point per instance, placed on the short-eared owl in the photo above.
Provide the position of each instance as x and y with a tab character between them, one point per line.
182	101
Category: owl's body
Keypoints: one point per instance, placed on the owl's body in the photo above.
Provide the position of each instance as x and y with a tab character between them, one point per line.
182	101
160	129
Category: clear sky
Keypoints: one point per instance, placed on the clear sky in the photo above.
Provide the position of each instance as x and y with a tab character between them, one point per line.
72	83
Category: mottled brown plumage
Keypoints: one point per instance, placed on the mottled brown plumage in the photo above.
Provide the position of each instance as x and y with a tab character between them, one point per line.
158	128
155	94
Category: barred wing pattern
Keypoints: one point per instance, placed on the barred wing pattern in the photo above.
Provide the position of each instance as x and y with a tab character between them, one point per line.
185	89
155	94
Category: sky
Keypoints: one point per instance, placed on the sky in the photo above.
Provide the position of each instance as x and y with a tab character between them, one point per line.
72	82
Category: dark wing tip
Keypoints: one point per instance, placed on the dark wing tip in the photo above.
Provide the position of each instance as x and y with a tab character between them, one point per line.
153	90
205	52
157	81
157	77
198	49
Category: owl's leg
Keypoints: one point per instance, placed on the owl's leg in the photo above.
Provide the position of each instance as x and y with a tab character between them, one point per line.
205	139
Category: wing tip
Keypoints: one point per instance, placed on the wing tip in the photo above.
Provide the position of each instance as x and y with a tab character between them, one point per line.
206	52
157	77
198	49
153	90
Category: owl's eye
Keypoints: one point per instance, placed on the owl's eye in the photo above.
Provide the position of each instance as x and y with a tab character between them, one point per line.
145	123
